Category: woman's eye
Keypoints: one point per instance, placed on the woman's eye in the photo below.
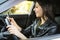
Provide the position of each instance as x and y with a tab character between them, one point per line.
36	7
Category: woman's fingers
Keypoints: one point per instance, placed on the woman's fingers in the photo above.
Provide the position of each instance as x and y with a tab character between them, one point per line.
12	29
8	26
10	19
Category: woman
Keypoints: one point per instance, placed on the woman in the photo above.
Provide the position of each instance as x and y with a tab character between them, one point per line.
44	24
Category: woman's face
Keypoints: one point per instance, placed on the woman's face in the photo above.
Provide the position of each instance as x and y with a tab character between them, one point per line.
38	10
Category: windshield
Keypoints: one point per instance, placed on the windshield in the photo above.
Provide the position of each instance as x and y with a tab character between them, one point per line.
24	7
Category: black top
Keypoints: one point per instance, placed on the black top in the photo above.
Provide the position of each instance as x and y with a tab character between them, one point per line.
35	30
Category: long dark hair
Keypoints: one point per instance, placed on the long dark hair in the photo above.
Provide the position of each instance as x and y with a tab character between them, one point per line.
47	9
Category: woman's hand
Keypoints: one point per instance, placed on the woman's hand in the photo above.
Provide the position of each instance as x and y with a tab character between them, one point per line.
13	30
12	21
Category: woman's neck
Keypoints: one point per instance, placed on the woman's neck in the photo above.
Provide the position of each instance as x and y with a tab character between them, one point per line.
43	20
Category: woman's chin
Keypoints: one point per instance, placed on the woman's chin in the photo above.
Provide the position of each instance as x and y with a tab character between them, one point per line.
37	16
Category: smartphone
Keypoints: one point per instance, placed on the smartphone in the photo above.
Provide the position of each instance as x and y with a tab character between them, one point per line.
7	21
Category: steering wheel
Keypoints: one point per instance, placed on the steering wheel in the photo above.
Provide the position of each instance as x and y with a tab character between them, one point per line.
3	31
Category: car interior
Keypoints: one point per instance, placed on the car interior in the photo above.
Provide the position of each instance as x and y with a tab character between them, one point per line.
24	19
